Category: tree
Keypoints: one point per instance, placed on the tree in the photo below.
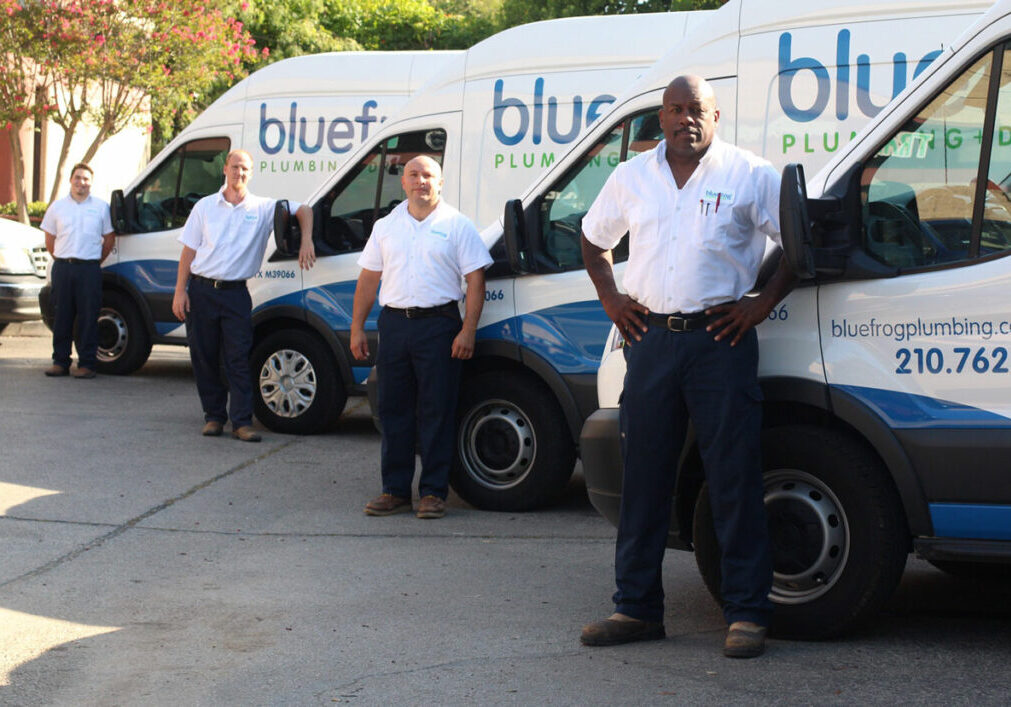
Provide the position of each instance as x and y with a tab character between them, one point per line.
26	71
516	12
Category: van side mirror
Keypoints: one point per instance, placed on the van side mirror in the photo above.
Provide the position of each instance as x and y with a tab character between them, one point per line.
119	213
794	223
287	234
514	235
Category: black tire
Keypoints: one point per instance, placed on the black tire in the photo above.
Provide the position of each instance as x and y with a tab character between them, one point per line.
296	386
513	449
838	532
975	571
123	340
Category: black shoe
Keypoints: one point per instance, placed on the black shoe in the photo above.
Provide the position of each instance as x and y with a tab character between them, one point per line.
611	632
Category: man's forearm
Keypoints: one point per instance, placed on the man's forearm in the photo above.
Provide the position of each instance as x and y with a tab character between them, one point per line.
365	297
600	267
475	300
183	274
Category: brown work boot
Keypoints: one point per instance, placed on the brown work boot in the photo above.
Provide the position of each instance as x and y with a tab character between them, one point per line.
744	640
84	373
247	434
387	504
613	631
431	507
56	371
212	428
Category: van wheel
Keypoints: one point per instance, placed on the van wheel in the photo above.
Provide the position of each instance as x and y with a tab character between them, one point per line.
123	341
297	389
514	451
838	533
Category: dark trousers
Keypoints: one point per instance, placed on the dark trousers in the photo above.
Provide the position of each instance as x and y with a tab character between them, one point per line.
219	329
418	385
77	294
671	378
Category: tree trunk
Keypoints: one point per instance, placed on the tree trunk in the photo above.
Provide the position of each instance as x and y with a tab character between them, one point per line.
18	158
68	135
102	136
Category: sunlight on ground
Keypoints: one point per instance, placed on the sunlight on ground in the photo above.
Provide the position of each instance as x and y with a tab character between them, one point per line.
24	637
15	494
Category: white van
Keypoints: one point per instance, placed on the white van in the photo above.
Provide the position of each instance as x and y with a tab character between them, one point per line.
496	118
886	372
299	119
794	79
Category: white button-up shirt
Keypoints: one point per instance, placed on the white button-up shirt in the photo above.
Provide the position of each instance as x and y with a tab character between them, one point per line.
423	262
229	239
693	247
78	227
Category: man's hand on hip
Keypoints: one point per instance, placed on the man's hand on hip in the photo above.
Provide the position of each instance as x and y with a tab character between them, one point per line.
627	314
738	317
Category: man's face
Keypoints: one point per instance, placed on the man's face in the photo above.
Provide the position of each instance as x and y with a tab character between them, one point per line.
688	118
238	169
422	182
80	184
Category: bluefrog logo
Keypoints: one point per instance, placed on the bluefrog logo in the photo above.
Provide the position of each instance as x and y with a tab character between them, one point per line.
790	68
530	120
310	135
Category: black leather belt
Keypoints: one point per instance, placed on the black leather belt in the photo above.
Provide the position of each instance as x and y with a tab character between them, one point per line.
681	322
76	260
219	284
449	308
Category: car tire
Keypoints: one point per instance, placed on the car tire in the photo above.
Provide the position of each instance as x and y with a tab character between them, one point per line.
296	386
837	529
123	340
514	451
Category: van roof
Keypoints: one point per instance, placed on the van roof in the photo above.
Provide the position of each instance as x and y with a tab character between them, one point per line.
332	74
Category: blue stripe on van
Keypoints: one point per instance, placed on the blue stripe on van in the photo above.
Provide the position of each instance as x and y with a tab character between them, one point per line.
969	520
907	411
148	276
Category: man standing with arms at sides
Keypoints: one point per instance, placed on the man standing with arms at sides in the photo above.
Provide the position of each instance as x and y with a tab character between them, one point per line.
421	250
223	240
79	236
698	212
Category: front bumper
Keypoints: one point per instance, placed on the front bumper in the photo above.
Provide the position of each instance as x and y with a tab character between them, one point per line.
19	297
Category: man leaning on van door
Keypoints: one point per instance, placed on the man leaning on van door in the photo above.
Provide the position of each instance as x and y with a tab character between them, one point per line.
224	240
698	212
79	236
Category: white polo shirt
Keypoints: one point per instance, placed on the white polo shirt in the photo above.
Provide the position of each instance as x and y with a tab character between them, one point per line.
78	227
229	239
423	262
694	247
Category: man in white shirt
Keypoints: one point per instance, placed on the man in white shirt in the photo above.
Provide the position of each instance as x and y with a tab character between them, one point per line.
698	212
79	236
421	250
224	240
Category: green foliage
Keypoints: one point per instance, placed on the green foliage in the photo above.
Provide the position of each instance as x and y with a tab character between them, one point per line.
36	209
516	12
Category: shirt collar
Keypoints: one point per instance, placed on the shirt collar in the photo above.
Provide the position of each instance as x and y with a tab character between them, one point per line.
224	202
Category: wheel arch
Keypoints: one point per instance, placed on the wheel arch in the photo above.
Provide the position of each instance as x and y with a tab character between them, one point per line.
797	401
117	283
504	355
276	318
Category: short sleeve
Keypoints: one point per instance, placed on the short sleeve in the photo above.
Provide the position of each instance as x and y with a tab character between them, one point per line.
106	219
605	223
471	252
49	223
766	213
193	231
372	254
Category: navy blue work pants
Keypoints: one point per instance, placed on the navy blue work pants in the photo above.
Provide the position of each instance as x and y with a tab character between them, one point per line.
671	378
77	294
418	386
219	328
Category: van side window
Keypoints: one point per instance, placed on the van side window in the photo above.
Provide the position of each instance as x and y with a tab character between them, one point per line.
922	190
165	198
566	203
370	190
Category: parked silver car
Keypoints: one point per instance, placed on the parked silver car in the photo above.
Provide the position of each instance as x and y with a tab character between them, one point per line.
24	263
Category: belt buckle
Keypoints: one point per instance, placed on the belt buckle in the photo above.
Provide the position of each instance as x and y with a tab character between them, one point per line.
217	284
677	324
411	312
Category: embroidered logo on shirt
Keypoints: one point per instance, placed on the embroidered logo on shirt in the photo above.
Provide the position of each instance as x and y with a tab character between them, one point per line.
251	217
441	234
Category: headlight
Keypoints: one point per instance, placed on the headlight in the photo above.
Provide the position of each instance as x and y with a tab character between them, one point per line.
16	261
614	340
